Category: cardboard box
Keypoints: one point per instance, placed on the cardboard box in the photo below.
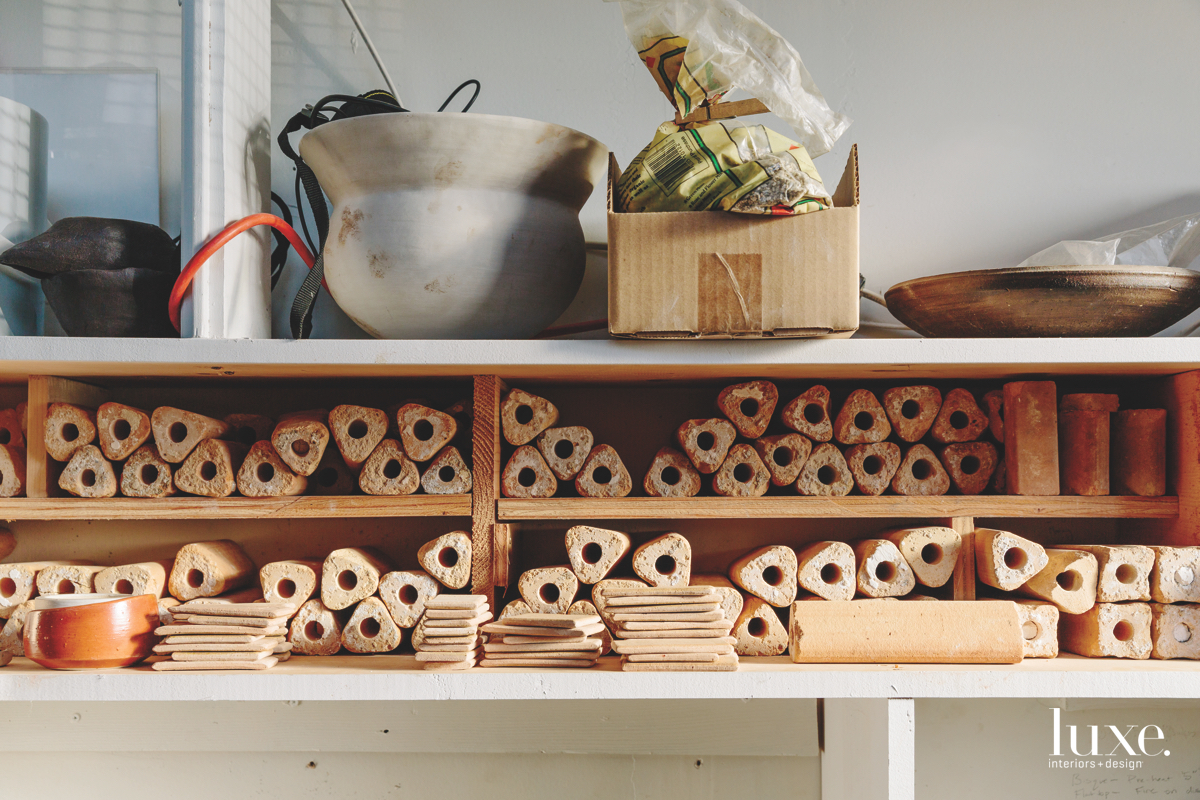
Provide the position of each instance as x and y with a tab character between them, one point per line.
720	275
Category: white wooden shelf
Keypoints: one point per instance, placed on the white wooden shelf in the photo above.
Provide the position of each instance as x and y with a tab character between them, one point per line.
389	678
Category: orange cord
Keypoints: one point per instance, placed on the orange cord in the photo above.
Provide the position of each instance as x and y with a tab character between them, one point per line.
222	239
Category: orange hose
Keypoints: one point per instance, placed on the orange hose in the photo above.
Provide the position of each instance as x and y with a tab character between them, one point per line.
219	241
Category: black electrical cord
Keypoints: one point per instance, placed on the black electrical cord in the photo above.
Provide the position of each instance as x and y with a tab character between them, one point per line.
462	86
280	253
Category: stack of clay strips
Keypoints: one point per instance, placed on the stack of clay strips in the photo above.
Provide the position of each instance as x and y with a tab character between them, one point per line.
170	450
447	637
543	640
355	600
1124	601
546	455
12	452
670	628
210	634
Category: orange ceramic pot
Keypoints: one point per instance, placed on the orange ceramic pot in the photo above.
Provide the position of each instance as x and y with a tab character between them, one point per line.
111	633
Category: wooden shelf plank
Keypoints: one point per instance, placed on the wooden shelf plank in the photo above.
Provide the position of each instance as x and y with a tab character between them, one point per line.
786	507
66	508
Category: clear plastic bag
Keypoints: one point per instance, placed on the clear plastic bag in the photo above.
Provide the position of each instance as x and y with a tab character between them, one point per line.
1173	243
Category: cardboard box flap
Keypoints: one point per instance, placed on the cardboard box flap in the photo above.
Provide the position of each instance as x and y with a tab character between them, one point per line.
846	195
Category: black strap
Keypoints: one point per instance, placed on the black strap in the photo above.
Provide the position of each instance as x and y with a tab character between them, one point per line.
306	297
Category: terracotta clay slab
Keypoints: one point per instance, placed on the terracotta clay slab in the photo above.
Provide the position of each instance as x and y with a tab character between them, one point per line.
523	416
357	431
731	598
643	631
177	432
594	552
351	574
810	414
1139	452
565	450
743	474
219	638
332	476
213	607
388	471
263	474
1004	560
172	629
1176	575
960	419
240	622
1068	581
88	474
861	420
447	473
826	473
1175	631
665	602
507	630
664	561
600	600
970	465
291	582
448	559
603	474
758	630
557	621
146	474
207	569
548	590
827	570
527	475
581	647
706	442
536	662
1117	630
424	431
912	410
720	646
722	664
882	570
371	629
1031	437
210	470
626	612
1083	442
921	474
768	573
249	428
1039	628
1124	571
12	471
931	552
671	474
444	601
68	579
869	631
147	577
587	607
688	617
263	645
121	429
629	588
784	456
199	666
873	466
300	438
406	594
749	406
68	428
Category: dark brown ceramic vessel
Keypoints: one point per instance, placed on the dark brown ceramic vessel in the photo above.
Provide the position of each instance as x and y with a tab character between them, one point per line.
116	633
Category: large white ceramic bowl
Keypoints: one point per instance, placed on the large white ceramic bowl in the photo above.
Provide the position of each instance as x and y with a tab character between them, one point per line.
453	225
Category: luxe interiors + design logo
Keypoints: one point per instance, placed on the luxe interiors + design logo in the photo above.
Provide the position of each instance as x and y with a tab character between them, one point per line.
1128	747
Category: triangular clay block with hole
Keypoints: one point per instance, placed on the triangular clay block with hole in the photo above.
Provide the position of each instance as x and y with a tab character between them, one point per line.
448	559
405	594
1039	627
300	438
527	475
826	473
68	428
565	450
516	608
447	474
931	552
88	474
1116	630
523	416
671	474
371	629
749	406
1175	631
332	477
357	431
1004	560
211	469
882	571
921	474
810	414
424	431
873	466
593	552
959	420
861	420
177	432
292	582
706	442
731	598
12	428
827	570
912	410
1068	581
768	573
548	590
351	574
12	471
68	579
315	630
1176	575
208	569
249	428
388	471
784	456
970	465
758	630
263	474
146	474
122	429
148	577
743	474
603	474
665	561
1124	571
20	582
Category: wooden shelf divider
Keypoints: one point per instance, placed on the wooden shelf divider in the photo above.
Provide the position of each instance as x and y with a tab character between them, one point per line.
74	508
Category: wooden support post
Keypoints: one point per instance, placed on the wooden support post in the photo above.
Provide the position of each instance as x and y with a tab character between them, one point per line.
41	474
485	489
963	581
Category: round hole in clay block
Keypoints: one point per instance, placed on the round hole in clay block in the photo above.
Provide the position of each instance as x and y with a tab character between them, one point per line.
177	432
356	429
1015	558
1030	630
447	557
665	565
195	578
969	465
286	588
300	447
392	469
313	631
446	474
1182	633
149	474
910	409
670	476
208	471
782	456
5	436
706	441
831	573
69	432
347	580
922	469
931	553
591	553
88	477
742	473
773	575
864	421
827	475
327	477
602	475
813	413
757	627
123	587
265	472
1127	574
8	587
549	593
246	435
1069	579
422	430
564	448
872	465
523	414
65	587
526	477
121	429
959	420
1122	631
409	594
369	628
885	571
748	407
